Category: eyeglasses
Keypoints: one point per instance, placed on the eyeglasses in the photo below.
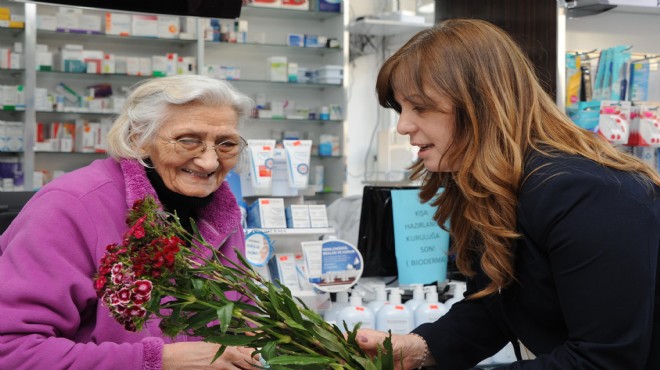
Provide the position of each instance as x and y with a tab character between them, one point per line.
191	147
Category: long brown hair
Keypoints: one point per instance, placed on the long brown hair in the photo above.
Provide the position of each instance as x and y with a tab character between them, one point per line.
502	113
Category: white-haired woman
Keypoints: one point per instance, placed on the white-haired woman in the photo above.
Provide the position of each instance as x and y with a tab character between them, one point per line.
175	139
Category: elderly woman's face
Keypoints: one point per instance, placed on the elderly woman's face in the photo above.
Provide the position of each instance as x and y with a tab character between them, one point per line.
203	174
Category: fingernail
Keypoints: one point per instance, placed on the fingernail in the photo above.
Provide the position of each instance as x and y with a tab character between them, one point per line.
362	338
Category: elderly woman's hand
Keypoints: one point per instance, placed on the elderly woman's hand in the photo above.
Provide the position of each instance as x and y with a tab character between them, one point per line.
198	355
410	348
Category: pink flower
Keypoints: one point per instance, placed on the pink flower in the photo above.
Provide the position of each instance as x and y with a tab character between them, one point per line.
100	283
141	299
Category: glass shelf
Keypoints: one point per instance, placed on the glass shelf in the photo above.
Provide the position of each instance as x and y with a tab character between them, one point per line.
255	11
88	76
306	231
294	85
380	27
297	120
270	48
77	112
95	37
11	32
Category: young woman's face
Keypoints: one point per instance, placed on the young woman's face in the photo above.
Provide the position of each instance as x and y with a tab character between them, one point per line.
430	128
201	175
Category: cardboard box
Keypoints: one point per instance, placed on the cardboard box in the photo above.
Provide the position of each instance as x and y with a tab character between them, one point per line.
118	24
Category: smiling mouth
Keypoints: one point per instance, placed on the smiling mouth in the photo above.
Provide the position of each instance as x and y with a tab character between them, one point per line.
203	175
425	147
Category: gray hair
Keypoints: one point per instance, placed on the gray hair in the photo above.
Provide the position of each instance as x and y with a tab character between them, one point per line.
148	106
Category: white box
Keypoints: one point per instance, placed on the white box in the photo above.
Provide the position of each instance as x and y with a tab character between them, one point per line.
297	216
108	64
144	67
90	23
283	268
270	212
159	65
186	65
145	25
67	21
132	66
168	26
318	217
118	24
85	136
46	22
277	70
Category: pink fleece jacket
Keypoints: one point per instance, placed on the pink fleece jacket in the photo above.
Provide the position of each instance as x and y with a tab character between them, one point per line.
50	317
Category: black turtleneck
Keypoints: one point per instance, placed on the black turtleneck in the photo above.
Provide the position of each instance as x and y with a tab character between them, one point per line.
184	206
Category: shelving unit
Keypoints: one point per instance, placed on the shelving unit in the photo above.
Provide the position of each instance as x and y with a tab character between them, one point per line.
266	37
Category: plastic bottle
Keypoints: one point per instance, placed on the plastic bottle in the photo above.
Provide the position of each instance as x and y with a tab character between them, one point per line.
381	299
395	316
417	298
356	313
341	301
431	310
459	289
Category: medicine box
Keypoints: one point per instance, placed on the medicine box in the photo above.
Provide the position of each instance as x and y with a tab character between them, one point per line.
318	217
118	24
267	213
297	216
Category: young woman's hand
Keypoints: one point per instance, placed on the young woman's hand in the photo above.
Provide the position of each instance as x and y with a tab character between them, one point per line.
409	348
198	355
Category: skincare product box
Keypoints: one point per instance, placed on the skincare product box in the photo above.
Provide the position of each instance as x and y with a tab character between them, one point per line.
295	39
318	216
283	269
145	25
297	216
46	22
168	27
118	24
267	213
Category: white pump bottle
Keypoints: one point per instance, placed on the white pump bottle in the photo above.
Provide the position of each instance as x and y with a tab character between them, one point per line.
459	290
431	310
381	299
341	301
395	316
417	297
356	313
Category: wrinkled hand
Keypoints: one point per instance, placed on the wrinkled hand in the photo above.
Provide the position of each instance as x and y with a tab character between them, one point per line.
407	347
198	355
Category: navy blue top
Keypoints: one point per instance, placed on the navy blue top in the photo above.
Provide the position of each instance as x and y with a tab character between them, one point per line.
587	289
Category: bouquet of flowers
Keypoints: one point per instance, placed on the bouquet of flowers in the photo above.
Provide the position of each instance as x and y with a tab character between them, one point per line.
160	269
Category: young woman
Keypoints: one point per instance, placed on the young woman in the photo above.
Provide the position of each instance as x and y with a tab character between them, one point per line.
557	230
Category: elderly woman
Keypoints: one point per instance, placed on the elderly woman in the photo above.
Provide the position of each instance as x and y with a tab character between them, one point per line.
176	139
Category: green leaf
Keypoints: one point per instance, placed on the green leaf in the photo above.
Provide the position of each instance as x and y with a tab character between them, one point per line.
268	350
305	359
224	315
219	353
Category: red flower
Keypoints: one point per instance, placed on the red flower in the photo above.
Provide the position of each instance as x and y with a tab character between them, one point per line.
99	283
138	232
142	287
124	295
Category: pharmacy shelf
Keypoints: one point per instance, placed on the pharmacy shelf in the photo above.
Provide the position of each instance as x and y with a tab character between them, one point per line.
79	37
380	27
295	120
287	84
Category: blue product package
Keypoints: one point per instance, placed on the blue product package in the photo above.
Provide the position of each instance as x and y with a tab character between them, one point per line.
330	5
639	81
586	114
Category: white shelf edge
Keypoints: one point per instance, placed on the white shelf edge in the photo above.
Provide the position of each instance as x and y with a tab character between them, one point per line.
383	27
294	232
